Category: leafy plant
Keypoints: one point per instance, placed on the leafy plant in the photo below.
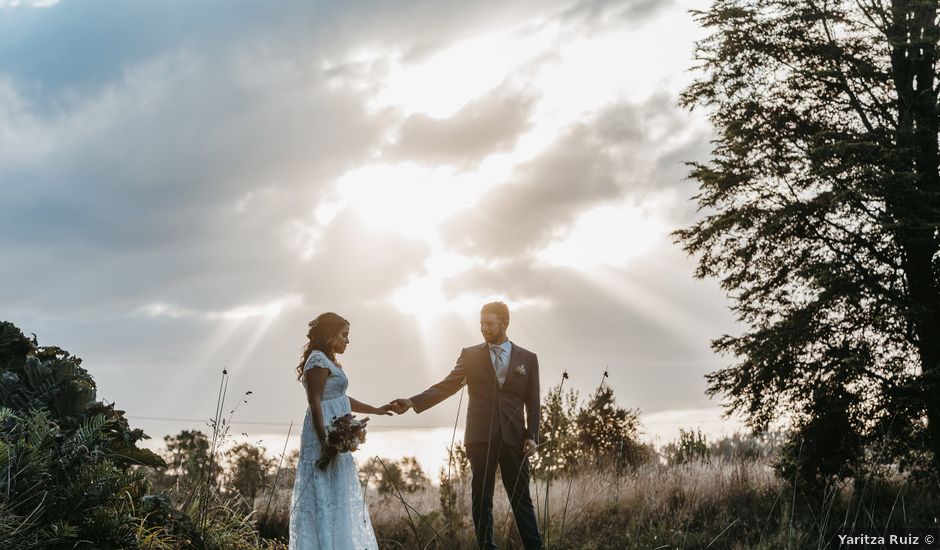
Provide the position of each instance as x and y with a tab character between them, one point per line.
689	447
72	475
62	489
51	379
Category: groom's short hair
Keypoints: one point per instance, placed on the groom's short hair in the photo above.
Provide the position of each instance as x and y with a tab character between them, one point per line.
500	309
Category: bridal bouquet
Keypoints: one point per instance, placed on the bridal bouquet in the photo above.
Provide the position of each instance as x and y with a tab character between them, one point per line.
343	435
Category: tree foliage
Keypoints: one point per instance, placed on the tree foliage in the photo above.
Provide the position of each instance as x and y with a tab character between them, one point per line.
821	205
393	476
558	449
607	433
188	455
691	446
250	471
596	432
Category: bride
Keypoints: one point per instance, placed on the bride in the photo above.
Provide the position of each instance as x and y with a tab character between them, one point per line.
328	511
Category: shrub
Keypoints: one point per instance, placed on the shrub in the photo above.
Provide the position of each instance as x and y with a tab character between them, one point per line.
404	475
72	473
690	446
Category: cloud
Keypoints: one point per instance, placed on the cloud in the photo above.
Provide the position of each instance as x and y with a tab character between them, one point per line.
634	12
541	196
237	313
177	182
361	263
602	159
484	126
185	186
28	3
68	49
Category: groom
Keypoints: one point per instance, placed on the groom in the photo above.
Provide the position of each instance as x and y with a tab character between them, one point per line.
502	382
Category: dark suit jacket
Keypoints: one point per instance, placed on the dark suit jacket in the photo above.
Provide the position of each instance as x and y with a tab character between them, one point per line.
492	410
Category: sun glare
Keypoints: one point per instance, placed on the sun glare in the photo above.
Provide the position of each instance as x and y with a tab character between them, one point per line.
571	78
266	310
608	235
443	84
409	199
424	298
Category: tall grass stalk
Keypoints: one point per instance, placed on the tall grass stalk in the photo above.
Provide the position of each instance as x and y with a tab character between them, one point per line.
408	508
548	472
216	419
277	475
799	455
453	435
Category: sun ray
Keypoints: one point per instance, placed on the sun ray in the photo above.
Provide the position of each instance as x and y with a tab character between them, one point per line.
649	303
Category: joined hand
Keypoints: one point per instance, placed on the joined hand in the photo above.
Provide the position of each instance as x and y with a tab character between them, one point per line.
400	406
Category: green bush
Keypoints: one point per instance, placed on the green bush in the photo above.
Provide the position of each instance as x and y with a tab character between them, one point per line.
62	489
691	446
578	436
71	473
70	460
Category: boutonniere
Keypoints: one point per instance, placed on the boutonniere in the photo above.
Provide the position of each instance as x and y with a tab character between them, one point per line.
521	370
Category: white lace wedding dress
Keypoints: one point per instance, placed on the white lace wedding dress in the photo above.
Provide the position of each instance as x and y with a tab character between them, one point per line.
328	511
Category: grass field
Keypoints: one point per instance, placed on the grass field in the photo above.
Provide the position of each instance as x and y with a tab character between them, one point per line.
726	504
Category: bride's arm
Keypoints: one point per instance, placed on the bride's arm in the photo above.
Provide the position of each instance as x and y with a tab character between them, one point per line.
315	382
360	407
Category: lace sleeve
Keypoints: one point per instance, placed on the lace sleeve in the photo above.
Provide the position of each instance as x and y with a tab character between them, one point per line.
317	359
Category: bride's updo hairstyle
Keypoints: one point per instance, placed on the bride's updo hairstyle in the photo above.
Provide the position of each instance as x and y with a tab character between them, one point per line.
320	334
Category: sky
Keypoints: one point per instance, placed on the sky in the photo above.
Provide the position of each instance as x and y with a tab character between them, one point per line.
185	185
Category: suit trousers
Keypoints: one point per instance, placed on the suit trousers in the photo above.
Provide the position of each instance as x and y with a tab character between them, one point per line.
514	470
